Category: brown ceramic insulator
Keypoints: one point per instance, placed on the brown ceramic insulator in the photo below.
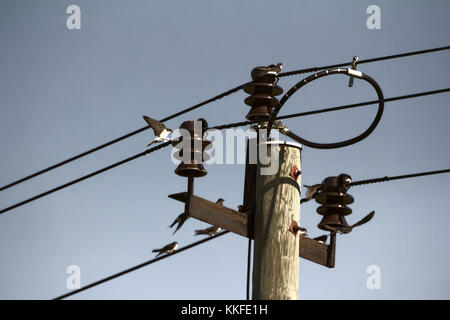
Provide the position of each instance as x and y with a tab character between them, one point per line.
333	222
262	91
193	167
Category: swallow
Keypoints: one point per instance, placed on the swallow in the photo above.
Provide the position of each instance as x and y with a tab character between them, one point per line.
347	229
220	201
302	230
311	192
211	231
171	247
344	181
181	219
161	132
322	239
272	69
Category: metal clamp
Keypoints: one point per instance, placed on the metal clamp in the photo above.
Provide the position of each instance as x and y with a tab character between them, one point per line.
354	67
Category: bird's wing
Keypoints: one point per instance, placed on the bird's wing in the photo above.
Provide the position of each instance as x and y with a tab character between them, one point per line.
168	247
151	143
212	229
157	126
364	220
311	190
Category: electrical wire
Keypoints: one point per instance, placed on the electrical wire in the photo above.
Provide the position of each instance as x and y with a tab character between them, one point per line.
318	75
160	146
144	264
139	266
406	176
361	104
217	97
78	156
394	56
220	127
342	107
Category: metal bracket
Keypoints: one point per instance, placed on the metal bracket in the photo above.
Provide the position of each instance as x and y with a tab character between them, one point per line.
354	63
239	222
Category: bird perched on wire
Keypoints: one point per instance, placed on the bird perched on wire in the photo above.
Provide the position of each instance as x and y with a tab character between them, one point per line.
343	183
211	231
181	219
171	247
161	132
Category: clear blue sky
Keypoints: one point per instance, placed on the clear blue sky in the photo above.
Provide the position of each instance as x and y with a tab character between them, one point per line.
63	91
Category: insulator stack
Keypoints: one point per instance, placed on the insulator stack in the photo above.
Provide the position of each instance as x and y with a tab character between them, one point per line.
192	165
263	90
334	199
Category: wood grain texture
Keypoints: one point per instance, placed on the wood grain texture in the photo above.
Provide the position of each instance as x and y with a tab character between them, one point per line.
275	260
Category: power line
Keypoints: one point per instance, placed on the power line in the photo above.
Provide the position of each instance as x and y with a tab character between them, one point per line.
78	156
85	177
342	107
217	97
406	176
139	266
355	183
360	104
395	56
219	127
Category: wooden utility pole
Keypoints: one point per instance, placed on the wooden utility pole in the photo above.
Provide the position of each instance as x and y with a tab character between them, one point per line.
276	249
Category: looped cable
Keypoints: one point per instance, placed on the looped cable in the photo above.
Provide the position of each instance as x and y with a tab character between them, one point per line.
315	76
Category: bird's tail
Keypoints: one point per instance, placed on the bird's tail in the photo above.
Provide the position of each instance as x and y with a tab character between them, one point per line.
180	221
199	232
151	143
177	219
177	228
171	226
